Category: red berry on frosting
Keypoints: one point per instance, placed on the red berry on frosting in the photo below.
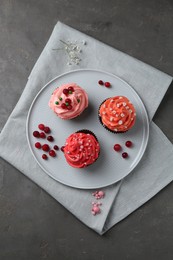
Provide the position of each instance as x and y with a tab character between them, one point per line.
128	143
42	135
45	147
65	91
44	156
47	129
52	153
68	100
63	105
50	138
38	145
56	147
117	147
107	84
69	107
71	89
100	82
124	155
41	127
36	134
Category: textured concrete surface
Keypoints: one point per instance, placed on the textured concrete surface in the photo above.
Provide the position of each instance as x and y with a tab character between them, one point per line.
32	224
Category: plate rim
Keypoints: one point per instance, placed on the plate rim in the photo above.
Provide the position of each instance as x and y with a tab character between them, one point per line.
92	70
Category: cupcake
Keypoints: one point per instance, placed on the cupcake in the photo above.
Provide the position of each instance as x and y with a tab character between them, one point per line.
68	101
117	114
81	149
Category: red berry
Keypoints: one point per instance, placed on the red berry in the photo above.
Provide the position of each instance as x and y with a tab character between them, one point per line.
42	135
124	155
128	143
100	82
38	145
107	84
56	147
62	148
36	134
69	107
117	147
41	126
63	105
52	153
47	129
50	138
45	147
71	89
44	156
68	100
65	91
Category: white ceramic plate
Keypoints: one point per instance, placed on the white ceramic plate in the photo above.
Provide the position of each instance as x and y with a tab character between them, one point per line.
110	167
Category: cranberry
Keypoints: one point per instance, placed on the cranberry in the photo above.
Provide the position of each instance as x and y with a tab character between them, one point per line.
65	91
63	105
50	138
44	156
68	100
36	134
47	129
56	147
71	89
45	147
100	82
117	147
69	107
124	155
38	145
62	148
128	143
52	153
42	135
41	126
107	84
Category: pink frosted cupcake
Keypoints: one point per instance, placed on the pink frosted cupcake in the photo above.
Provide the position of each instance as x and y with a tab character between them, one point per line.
68	101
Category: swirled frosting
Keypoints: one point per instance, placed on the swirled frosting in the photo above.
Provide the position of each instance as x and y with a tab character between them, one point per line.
117	114
81	149
77	101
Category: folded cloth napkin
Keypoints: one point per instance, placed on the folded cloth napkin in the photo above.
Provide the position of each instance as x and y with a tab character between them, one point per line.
154	171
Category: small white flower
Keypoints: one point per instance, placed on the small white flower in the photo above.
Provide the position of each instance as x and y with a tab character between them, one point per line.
120	122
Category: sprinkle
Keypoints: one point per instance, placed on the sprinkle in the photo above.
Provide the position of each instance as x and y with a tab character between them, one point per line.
110	109
60	98
104	113
122	115
78	100
81	146
67	103
130	110
104	105
68	152
120	122
124	104
114	112
127	107
70	92
112	100
57	103
115	129
125	126
111	118
118	105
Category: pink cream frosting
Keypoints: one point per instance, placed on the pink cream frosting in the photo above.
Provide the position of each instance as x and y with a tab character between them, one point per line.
81	149
78	97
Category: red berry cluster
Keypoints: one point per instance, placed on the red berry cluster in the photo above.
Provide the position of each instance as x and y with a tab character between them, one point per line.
45	147
117	148
67	104
106	84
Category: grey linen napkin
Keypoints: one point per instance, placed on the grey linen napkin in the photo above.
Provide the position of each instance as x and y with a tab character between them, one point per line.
154	171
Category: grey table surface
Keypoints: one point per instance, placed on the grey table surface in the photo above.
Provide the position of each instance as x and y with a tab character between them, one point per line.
32	224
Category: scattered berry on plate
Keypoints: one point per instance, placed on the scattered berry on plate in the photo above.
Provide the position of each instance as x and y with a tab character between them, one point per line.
128	143
101	82
45	147
42	135
50	138
117	147
44	156
124	155
52	153
38	145
47	129
56	147
107	84
36	134
41	126
62	148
